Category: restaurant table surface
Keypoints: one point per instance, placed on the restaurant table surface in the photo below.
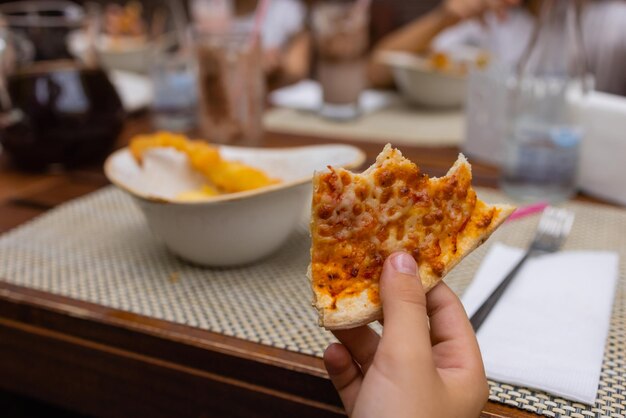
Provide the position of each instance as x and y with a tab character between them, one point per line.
90	358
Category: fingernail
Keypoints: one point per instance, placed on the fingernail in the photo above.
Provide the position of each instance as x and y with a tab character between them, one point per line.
404	263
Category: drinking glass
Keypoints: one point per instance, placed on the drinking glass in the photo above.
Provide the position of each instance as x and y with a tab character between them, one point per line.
173	74
231	86
341	36
57	109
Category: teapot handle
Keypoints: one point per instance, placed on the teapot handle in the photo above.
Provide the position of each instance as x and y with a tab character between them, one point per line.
14	50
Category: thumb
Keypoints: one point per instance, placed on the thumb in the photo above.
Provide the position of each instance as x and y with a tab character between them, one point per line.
404	302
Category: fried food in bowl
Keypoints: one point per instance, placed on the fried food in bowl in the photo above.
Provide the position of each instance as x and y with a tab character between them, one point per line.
222	176
437	79
203	222
123	43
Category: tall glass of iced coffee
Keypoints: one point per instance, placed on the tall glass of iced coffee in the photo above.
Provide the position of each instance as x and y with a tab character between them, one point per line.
341	38
231	87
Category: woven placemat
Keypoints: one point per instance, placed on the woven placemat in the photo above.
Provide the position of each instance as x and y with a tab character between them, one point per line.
99	249
399	123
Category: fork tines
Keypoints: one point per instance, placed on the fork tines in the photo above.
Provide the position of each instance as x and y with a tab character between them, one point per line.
554	226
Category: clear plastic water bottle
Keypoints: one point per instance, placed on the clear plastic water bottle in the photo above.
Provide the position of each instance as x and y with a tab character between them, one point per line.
543	137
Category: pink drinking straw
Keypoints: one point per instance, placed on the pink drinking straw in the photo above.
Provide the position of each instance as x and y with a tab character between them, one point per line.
527	211
259	18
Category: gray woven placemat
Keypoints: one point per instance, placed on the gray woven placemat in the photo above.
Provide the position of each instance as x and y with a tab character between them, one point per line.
98	249
399	123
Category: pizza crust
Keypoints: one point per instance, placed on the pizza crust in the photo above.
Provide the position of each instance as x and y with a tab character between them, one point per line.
350	312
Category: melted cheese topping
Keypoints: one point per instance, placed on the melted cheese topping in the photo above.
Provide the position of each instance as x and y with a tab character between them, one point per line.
359	220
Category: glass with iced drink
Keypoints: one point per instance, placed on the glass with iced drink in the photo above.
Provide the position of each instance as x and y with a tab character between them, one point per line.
341	37
231	87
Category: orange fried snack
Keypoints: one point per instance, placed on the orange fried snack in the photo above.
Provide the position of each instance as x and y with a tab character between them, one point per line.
226	176
440	61
124	20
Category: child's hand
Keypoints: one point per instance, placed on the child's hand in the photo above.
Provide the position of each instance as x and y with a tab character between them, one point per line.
414	370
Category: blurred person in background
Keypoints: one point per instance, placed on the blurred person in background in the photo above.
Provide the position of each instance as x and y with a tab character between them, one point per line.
285	42
504	27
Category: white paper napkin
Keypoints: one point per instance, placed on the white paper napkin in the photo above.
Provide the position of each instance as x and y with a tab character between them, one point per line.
135	90
549	329
307	95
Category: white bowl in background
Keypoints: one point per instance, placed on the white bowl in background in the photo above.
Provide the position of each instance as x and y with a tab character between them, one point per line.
229	229
134	59
423	85
132	54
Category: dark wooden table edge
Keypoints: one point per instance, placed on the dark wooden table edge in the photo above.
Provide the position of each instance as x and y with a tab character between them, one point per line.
262	368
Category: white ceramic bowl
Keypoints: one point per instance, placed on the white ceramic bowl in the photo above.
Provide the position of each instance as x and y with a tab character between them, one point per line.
230	229
136	59
131	54
422	85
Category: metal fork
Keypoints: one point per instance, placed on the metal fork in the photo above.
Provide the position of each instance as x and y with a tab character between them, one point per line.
554	226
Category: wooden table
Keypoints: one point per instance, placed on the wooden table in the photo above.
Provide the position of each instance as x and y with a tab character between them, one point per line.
101	361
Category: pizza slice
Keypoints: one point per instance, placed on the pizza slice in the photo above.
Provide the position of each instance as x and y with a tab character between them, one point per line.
358	220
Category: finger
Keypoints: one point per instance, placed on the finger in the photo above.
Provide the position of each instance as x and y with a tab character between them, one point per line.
451	334
344	373
404	305
361	342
